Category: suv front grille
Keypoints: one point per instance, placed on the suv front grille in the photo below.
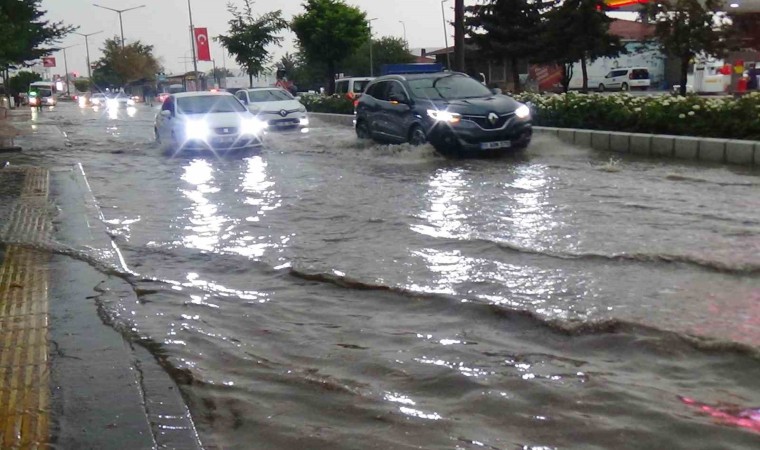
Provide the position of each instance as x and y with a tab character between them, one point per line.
486	124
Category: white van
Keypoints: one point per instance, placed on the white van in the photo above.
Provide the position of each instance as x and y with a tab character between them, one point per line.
625	79
352	88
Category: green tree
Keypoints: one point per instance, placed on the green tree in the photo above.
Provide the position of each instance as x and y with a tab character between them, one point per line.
82	84
250	36
502	29
578	30
219	73
21	81
327	32
687	28
24	34
386	50
121	66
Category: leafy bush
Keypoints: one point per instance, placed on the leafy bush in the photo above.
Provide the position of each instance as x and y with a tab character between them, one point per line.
720	117
335	104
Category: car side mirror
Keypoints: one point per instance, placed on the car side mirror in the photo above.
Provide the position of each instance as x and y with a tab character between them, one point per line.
166	113
397	99
496	91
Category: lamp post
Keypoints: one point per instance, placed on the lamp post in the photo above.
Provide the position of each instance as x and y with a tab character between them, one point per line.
87	45
192	40
445	36
66	68
119	12
404	25
371	58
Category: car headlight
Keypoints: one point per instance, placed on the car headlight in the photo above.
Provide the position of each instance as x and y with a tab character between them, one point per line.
130	102
444	116
522	112
302	109
252	126
50	100
197	129
303	121
112	103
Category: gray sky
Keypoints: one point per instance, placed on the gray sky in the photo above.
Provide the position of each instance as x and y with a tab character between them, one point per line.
165	25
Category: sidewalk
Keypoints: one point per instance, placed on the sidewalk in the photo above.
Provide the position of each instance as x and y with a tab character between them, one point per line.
67	380
8	132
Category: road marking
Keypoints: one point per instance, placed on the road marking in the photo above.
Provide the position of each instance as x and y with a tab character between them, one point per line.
24	370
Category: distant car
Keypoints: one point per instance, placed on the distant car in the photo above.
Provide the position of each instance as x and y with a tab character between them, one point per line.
98	99
120	100
353	87
274	106
452	111
207	121
626	79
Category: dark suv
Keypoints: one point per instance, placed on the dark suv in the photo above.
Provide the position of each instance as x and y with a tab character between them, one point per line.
452	111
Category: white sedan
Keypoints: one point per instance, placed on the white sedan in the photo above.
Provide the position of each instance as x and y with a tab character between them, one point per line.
207	121
274	106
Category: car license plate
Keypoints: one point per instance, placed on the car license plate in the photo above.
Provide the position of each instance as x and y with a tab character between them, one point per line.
496	144
226	140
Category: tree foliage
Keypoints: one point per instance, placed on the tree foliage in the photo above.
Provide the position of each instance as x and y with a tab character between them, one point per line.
24	33
21	81
687	28
505	29
386	50
250	36
327	32
121	66
219	73
82	85
578	30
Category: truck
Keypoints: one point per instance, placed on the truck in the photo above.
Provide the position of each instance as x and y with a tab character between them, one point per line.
707	76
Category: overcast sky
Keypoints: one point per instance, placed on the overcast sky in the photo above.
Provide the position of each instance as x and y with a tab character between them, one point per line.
165	25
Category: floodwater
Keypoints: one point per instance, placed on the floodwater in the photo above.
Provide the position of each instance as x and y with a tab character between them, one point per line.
327	293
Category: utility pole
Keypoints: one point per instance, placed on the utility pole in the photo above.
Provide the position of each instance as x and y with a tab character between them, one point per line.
404	25
119	12
87	45
66	68
192	40
459	35
446	35
371	58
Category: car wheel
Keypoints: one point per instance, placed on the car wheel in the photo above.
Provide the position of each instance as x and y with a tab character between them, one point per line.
601	87
624	87
417	135
362	130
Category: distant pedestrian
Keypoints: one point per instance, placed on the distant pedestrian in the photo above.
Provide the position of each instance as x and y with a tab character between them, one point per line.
753	73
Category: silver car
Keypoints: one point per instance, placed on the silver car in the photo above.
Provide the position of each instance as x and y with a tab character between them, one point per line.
207	121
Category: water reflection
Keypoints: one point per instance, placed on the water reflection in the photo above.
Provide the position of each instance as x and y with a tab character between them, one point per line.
205	225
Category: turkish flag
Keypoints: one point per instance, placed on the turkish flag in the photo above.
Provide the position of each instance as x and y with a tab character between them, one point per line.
201	44
48	61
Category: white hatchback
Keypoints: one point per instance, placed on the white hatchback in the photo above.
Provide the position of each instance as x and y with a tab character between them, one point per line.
274	106
207	121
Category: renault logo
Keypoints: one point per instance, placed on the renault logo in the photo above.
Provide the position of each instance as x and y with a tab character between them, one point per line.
493	118
283	113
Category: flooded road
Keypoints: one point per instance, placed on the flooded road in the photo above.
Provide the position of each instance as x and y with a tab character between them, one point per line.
327	293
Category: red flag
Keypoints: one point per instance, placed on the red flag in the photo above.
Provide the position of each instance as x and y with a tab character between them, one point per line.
48	61
201	44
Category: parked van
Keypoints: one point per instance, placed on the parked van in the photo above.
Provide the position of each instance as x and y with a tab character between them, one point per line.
625	79
352	88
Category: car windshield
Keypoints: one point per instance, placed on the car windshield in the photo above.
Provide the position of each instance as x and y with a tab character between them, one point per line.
359	85
204	104
269	95
450	87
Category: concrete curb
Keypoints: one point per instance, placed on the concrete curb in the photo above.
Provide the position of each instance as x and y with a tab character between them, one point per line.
335	119
729	151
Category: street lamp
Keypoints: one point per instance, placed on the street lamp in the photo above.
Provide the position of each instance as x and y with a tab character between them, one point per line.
87	45
445	36
119	11
192	40
371	58
404	25
66	68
